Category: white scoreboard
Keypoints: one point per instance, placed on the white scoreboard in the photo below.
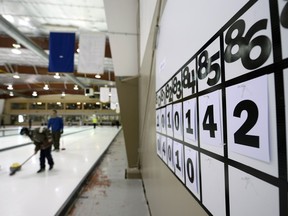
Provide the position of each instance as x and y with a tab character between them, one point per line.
221	117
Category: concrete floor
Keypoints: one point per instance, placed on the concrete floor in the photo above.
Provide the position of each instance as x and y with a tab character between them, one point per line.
107	192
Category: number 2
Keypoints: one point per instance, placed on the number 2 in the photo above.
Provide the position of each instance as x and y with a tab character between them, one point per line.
240	136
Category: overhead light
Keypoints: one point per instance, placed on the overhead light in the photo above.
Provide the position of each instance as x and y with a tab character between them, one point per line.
57	76
63	94
16	46
34	93
76	87
78	50
46	87
16	75
10	87
11	94
97	76
16	49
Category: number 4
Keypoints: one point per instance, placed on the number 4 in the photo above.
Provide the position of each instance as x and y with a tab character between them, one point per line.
208	121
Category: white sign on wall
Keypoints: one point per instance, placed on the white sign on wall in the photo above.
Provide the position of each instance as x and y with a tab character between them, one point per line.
247	118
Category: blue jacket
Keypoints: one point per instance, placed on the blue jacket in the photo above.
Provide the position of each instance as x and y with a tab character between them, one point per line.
56	124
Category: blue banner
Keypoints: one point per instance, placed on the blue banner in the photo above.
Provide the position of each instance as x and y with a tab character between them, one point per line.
61	52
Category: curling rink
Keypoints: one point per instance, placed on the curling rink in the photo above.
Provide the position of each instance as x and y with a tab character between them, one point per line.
30	193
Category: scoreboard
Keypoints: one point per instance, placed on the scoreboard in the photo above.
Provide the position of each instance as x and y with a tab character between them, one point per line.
221	117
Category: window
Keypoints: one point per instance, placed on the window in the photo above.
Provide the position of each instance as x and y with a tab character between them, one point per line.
73	106
37	106
56	106
91	106
18	106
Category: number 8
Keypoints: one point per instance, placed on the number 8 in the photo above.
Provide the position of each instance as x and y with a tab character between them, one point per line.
246	46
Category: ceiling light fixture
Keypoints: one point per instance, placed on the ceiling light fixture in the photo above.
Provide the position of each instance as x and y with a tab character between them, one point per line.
16	75
97	76
10	87
34	94
46	87
63	94
57	76
16	49
11	94
76	87
16	46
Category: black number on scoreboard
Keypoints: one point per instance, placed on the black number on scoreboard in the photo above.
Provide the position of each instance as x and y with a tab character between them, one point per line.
169	150
188	79
169	92
244	44
284	16
208	121
176	120
169	120
177	87
190	170
241	136
177	160
188	117
163	120
205	67
164	149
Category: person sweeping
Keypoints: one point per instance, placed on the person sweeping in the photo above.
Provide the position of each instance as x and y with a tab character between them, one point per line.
42	139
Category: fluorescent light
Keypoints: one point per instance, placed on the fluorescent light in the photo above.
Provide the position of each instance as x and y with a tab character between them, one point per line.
57	76
10	87
46	87
16	46
16	75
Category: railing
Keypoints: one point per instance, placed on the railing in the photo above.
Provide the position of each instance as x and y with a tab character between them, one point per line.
9	131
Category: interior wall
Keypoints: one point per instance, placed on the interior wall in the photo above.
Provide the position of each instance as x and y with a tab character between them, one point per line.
2	103
147	8
127	90
230	182
165	195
